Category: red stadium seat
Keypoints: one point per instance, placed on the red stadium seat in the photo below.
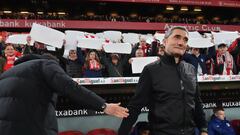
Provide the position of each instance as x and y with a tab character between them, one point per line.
102	131
236	126
70	133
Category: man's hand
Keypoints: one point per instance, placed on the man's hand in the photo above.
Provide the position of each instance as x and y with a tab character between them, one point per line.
116	110
204	133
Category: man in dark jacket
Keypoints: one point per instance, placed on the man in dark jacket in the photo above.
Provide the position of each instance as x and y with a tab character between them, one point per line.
198	60
168	88
74	63
114	64
28	96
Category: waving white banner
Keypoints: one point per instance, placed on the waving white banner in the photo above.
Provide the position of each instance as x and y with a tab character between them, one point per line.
18	39
71	39
90	43
124	48
194	34
159	36
225	37
139	63
200	42
47	35
114	36
131	38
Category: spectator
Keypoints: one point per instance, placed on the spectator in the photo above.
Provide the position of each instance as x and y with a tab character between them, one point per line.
139	53
39	48
234	50
74	63
115	64
92	65
27	49
218	125
10	55
161	50
142	45
198	60
157	49
19	47
128	69
225	64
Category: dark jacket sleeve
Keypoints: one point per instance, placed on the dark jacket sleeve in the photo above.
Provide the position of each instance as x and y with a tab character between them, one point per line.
199	116
139	100
104	59
80	56
59	52
134	49
124	59
60	82
211	53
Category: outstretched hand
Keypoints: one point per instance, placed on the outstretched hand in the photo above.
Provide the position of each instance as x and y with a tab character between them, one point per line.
116	110
204	133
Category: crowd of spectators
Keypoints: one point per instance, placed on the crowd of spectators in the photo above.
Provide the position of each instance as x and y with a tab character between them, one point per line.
122	18
220	59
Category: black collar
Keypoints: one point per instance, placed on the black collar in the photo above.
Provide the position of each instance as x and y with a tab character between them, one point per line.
169	59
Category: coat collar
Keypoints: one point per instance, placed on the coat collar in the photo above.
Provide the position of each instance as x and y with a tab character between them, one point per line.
168	59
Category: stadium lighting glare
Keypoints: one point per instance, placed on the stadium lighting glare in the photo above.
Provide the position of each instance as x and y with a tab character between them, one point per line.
7	12
24	12
198	9
184	8
169	8
61	13
40	13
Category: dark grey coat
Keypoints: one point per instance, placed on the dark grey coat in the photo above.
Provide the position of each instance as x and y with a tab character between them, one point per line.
27	97
170	92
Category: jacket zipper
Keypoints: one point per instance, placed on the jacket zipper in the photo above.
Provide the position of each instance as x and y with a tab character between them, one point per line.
184	107
183	98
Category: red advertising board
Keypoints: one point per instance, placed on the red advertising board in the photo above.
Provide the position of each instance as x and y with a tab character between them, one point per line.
218	3
103	25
